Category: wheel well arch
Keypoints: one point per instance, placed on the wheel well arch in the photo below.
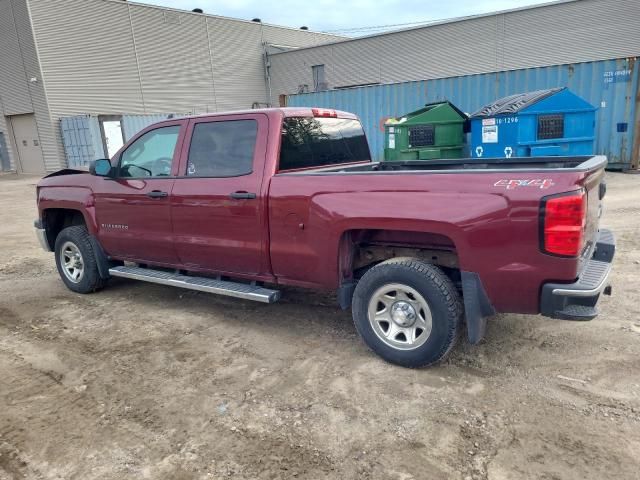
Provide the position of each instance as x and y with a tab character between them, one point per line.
57	219
360	249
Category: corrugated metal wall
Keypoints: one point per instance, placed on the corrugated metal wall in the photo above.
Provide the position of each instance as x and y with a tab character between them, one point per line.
18	65
559	33
5	162
14	90
82	138
610	85
50	149
108	56
132	124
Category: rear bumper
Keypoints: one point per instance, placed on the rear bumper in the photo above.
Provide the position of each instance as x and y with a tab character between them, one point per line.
41	235
577	301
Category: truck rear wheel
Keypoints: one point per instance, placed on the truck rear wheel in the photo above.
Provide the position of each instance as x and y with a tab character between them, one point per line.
408	312
76	260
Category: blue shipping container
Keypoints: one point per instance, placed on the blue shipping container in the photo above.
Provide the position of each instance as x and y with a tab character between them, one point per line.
534	124
609	85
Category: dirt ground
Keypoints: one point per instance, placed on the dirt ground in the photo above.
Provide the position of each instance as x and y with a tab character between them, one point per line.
145	381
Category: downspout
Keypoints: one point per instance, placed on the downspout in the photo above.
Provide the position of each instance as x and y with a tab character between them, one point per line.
265	62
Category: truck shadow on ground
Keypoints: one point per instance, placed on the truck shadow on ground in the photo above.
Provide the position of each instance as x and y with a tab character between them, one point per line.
303	314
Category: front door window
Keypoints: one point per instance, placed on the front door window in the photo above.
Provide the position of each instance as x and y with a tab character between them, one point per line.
151	155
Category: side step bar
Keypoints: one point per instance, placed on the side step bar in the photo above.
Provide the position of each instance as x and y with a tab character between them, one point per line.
221	287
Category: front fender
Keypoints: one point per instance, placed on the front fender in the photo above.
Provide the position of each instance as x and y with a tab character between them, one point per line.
69	198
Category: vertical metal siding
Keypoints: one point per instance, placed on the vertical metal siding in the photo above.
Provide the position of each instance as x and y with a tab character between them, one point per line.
8	163
237	63
109	57
174	62
610	85
87	55
87	58
560	33
14	90
295	37
51	149
5	163
132	124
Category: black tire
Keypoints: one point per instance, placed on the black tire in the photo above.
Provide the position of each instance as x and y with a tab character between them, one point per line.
90	280
437	290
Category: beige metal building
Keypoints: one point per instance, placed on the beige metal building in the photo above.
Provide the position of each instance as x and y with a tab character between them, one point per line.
561	32
111	57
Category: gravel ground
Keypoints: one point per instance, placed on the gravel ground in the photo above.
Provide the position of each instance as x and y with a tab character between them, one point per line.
145	381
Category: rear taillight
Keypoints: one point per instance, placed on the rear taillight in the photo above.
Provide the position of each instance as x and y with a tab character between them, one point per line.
324	112
563	224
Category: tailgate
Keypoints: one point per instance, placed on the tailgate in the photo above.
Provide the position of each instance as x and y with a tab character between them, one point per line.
595	187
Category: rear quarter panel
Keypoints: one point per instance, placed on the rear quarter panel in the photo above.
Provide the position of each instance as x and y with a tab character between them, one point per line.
493	222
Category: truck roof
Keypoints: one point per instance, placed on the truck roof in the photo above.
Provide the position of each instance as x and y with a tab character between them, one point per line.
279	111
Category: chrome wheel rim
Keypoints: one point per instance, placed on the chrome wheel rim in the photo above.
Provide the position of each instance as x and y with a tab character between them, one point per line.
72	262
400	316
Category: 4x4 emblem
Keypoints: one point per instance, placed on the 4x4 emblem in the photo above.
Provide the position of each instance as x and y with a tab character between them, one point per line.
115	226
509	184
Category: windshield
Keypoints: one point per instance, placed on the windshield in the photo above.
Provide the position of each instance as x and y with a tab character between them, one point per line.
314	142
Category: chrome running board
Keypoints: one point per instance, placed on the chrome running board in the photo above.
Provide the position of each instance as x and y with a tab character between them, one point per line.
201	284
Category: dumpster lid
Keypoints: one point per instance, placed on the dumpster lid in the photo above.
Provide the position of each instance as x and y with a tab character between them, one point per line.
514	103
447	102
430	106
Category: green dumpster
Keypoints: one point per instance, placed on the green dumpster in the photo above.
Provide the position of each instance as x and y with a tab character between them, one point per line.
435	131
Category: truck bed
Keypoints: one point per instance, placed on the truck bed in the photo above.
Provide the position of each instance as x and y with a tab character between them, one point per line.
532	164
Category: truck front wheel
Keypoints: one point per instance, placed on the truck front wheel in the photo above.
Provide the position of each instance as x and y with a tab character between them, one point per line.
408	312
76	260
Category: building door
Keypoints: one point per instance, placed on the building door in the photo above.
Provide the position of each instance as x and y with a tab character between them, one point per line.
112	136
27	141
4	154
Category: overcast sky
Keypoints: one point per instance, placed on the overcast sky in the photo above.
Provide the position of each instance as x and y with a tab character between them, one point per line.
327	15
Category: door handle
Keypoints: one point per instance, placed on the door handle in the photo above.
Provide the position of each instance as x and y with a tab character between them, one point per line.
243	195
157	194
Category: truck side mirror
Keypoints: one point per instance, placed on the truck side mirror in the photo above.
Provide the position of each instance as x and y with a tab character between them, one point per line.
100	167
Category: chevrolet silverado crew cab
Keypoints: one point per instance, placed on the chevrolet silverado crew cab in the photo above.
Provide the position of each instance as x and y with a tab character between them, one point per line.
241	203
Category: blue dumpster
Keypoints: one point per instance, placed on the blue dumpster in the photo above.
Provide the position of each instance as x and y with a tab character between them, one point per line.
553	122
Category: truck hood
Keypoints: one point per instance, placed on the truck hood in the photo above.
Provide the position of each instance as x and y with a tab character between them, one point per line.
66	171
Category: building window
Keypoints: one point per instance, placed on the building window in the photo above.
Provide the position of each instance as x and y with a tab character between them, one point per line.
319	80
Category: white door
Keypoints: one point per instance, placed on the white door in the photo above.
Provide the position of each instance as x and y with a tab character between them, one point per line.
27	141
112	136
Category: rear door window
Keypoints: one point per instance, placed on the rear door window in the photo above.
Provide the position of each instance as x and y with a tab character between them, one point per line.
222	148
315	142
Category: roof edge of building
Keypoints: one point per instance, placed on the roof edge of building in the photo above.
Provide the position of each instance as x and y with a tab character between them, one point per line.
222	17
434	24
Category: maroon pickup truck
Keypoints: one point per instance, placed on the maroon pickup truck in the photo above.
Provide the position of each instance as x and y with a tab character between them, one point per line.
240	203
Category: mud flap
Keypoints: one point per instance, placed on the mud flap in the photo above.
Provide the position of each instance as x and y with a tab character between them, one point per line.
345	294
477	306
102	261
